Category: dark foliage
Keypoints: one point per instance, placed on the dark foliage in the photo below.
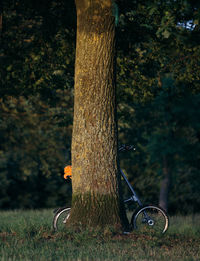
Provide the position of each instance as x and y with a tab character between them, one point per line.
158	99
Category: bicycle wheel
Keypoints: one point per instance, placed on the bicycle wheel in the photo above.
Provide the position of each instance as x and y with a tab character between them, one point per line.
150	219
60	218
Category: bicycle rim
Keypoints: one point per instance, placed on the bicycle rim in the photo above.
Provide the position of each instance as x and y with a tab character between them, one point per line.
60	219
151	219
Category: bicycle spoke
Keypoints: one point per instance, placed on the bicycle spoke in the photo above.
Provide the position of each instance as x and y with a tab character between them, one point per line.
150	219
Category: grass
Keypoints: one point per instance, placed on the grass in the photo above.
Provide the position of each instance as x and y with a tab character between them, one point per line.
27	235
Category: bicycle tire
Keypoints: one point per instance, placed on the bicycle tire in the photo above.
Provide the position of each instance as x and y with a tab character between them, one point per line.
60	218
150	219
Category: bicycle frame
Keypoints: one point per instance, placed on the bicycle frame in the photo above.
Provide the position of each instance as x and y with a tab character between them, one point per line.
143	214
134	196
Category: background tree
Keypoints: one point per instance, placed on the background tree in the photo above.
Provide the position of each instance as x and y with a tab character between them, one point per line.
163	43
33	152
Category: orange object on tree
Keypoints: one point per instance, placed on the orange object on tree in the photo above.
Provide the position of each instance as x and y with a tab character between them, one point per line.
68	172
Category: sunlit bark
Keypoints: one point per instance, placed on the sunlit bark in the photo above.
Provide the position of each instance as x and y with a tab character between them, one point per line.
95	199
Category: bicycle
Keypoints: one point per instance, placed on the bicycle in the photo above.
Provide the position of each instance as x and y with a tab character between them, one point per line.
146	218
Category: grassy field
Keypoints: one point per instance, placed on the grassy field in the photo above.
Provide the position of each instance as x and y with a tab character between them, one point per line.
27	235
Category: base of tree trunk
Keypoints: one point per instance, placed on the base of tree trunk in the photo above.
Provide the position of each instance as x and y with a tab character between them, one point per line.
95	210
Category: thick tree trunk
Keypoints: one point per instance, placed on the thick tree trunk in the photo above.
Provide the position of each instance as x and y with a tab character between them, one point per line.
95	199
165	184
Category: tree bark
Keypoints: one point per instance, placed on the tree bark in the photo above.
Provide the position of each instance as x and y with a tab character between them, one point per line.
165	184
95	182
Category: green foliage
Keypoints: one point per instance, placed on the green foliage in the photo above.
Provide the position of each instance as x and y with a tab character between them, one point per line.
158	90
36	80
158	84
37	51
35	144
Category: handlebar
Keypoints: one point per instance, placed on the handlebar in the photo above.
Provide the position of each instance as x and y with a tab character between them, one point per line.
126	147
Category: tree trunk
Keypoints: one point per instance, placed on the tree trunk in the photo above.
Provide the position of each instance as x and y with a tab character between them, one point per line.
95	183
165	184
